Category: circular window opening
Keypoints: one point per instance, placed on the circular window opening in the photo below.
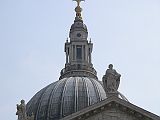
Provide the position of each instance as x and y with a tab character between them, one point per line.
78	35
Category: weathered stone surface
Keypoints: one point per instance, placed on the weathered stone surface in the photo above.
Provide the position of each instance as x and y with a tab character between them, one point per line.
112	114
111	80
21	112
112	108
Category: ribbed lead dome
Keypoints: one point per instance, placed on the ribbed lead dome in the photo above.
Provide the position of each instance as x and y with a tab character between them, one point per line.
64	97
78	86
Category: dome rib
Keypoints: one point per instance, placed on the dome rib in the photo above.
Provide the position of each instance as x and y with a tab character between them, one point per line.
34	102
52	96
38	113
96	89
68	98
92	97
76	95
98	86
47	107
85	89
82	94
65	97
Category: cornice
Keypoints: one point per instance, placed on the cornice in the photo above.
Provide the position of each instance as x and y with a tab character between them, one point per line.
112	102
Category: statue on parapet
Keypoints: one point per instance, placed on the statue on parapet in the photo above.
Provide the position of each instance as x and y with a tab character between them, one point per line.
111	80
21	112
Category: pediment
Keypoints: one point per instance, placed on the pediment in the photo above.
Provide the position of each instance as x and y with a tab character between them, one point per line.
112	108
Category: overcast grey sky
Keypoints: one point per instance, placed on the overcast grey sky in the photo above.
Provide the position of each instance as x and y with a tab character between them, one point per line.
125	33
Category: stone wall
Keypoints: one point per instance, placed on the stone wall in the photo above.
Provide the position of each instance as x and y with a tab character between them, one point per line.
112	114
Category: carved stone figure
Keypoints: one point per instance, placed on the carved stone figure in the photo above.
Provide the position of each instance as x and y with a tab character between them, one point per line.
21	111
111	80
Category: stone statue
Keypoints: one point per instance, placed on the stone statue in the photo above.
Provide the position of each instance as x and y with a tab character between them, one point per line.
111	80
21	111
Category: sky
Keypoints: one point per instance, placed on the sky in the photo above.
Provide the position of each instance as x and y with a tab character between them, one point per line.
125	33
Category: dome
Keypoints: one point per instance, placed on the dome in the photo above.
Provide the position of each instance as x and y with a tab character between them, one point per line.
65	97
78	86
78	25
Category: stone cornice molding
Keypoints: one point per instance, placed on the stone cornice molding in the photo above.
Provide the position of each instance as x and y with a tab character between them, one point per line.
109	103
